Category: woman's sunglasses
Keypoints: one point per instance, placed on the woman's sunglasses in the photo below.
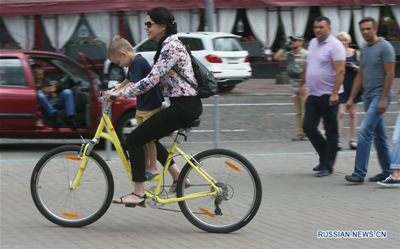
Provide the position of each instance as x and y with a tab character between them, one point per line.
148	24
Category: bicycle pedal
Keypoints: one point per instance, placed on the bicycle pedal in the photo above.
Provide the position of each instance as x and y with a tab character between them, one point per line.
130	205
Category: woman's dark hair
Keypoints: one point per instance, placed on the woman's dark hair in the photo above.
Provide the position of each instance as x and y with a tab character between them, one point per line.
162	15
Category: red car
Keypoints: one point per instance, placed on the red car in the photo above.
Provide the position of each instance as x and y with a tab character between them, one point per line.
20	111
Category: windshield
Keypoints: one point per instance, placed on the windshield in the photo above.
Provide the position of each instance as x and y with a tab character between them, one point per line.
227	44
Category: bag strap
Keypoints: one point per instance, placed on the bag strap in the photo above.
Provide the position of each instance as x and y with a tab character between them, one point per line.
184	78
190	55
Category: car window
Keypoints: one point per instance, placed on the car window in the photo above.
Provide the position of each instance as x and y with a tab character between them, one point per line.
194	43
227	44
12	73
60	71
69	69
56	68
98	78
149	45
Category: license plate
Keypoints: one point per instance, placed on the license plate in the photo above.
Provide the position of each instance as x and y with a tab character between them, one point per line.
233	61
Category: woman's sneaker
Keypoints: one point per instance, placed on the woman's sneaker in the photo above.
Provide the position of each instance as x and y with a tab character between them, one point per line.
389	182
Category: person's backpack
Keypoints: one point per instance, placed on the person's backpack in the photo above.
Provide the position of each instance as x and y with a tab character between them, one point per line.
206	83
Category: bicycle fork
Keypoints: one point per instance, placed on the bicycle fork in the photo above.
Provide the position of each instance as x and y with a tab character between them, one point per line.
83	156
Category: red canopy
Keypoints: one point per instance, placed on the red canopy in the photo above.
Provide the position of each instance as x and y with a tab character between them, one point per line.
39	7
292	3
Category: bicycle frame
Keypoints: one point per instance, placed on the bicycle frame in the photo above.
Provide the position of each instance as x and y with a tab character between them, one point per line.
110	134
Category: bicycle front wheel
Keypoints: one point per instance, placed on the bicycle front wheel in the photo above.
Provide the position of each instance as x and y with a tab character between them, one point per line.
51	191
240	192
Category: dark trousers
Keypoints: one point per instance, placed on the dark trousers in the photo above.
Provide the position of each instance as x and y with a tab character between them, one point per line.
315	108
181	112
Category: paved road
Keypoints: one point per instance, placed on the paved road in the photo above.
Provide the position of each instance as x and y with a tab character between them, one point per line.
295	207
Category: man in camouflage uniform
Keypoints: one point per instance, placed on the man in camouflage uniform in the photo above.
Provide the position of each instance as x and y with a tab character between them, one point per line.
295	57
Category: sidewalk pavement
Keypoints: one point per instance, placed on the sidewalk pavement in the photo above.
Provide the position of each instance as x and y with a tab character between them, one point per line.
296	206
298	210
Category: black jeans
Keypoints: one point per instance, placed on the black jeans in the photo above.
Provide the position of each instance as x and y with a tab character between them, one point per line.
181	112
317	107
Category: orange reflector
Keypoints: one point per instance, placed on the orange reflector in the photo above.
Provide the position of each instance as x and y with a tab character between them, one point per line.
117	102
232	166
71	215
207	212
72	157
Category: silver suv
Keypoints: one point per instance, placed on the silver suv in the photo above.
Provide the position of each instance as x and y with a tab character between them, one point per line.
221	53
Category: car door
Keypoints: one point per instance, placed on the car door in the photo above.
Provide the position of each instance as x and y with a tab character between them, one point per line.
18	101
97	83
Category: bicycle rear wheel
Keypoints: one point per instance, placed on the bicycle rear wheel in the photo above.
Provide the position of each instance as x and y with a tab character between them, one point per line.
51	191
237	203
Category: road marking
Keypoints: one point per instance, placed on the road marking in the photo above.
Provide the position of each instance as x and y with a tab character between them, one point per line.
244	154
293	153
251	104
223	130
269	104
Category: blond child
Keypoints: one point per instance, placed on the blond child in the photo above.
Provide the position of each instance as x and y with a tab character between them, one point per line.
149	103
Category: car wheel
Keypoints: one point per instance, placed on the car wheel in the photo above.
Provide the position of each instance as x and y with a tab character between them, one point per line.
125	125
116	73
223	88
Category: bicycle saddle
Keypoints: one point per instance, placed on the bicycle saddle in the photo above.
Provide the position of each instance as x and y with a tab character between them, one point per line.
194	123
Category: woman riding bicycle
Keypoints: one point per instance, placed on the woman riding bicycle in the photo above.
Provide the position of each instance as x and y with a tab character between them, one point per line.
185	105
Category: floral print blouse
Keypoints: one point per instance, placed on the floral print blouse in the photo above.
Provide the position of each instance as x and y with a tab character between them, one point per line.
173	56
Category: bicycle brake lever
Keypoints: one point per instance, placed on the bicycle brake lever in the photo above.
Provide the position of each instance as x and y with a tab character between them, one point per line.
104	99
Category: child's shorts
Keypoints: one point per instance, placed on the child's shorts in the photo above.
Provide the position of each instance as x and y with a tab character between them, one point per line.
142	116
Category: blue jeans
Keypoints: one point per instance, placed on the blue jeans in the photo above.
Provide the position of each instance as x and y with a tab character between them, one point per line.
372	127
315	108
396	145
65	100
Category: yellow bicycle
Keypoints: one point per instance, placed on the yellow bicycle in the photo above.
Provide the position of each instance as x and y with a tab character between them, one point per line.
72	186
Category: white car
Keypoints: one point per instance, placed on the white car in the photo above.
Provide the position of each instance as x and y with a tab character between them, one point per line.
221	53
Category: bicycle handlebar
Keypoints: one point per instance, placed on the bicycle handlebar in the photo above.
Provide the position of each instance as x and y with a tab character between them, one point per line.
104	100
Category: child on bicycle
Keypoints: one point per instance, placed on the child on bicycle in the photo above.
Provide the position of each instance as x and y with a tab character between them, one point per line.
185	105
148	103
